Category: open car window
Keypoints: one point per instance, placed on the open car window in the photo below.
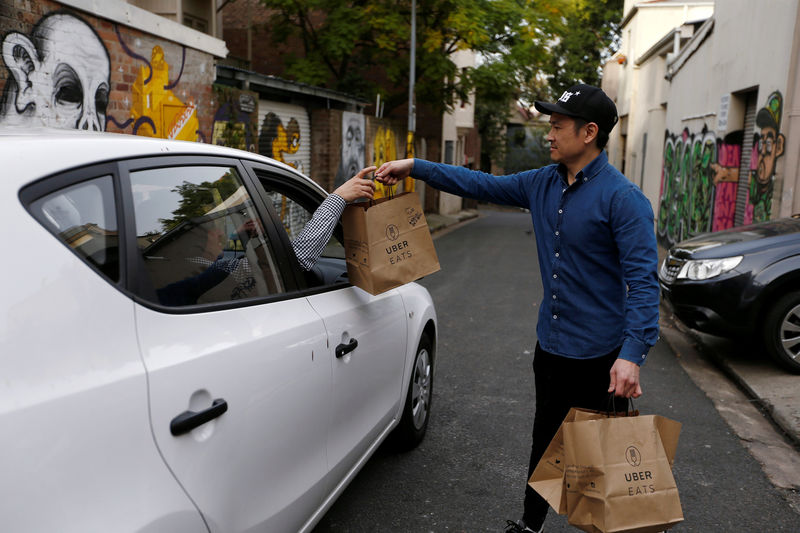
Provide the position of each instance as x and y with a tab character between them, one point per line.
294	205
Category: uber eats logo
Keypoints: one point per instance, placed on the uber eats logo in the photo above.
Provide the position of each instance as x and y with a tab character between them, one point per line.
643	478
398	251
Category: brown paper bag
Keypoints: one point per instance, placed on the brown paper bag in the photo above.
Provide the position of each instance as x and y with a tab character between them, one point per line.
548	477
618	474
387	243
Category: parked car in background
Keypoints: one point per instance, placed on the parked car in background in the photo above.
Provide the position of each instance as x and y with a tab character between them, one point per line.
741	282
163	370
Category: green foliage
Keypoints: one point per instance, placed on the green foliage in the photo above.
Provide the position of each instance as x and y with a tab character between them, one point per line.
529	49
591	33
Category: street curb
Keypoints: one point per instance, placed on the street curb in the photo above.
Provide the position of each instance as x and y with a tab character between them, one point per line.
770	411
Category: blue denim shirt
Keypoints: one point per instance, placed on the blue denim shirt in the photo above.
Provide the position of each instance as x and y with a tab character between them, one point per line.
597	252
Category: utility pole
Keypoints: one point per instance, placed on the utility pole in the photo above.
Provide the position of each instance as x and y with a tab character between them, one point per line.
409	182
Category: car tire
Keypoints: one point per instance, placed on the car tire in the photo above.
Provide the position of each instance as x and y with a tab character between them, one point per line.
417	409
782	332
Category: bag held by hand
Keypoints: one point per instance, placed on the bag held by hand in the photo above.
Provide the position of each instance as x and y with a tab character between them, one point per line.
387	243
618	474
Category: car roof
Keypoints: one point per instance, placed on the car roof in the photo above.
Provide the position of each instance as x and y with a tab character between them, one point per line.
33	153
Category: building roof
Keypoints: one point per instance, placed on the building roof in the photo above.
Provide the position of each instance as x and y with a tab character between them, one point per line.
264	83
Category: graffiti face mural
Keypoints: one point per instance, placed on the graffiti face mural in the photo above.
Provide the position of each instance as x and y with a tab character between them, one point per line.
59	76
76	72
276	140
769	147
352	146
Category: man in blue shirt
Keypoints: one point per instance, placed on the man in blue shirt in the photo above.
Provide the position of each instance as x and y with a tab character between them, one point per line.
598	260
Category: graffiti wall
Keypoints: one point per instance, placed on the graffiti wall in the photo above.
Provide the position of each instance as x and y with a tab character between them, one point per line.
236	118
701	176
66	69
353	146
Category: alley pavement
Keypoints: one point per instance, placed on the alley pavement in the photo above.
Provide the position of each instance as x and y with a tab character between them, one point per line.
774	391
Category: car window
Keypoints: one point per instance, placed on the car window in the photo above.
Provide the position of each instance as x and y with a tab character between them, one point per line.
83	216
199	237
294	217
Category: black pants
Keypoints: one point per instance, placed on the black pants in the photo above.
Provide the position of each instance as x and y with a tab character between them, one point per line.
561	383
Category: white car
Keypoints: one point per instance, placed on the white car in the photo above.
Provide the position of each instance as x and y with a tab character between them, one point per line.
161	372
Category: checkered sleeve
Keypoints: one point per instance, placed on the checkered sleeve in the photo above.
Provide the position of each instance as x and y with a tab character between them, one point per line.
310	242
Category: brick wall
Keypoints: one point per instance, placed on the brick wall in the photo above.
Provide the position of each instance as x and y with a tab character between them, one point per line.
125	81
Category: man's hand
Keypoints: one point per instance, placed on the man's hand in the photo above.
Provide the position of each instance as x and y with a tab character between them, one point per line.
357	187
625	379
392	172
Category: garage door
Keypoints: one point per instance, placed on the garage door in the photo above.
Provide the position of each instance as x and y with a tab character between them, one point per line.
284	133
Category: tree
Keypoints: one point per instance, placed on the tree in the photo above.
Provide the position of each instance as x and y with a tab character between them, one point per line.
591	35
362	46
528	50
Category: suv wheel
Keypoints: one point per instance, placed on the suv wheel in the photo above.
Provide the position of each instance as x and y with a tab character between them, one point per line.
782	331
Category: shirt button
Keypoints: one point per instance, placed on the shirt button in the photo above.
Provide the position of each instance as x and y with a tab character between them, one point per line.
555	276
563	190
555	317
560	211
556	233
585	179
557	254
554	297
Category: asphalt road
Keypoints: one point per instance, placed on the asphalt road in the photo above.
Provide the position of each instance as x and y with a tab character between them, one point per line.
469	473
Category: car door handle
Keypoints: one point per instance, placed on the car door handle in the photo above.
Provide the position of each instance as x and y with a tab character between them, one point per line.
344	349
188	420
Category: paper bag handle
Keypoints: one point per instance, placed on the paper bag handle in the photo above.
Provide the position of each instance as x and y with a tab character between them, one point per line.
390	195
611	407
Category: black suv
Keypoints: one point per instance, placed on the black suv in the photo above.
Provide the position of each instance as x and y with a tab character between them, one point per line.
744	281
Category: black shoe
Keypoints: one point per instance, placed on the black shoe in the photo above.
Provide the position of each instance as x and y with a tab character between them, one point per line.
519	527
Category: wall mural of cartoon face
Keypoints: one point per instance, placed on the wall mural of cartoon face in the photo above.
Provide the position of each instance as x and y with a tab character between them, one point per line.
60	76
352	146
276	139
768	145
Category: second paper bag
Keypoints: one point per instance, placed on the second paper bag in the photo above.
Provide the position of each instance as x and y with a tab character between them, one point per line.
618	474
387	243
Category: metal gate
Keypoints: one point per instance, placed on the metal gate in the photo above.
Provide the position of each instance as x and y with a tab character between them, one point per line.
284	133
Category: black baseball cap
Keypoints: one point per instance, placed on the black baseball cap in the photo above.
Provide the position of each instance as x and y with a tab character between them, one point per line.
586	102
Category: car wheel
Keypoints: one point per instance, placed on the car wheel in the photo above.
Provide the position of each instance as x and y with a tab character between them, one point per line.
782	331
416	412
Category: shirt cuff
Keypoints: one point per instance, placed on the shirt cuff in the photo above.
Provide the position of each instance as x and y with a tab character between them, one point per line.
634	351
335	204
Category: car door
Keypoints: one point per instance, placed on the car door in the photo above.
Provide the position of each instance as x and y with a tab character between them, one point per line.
367	334
75	427
239	371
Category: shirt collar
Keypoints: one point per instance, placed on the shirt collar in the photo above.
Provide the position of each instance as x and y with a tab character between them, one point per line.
589	171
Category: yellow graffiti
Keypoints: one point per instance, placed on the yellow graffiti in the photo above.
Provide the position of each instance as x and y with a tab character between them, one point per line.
172	118
385	150
408	183
287	141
